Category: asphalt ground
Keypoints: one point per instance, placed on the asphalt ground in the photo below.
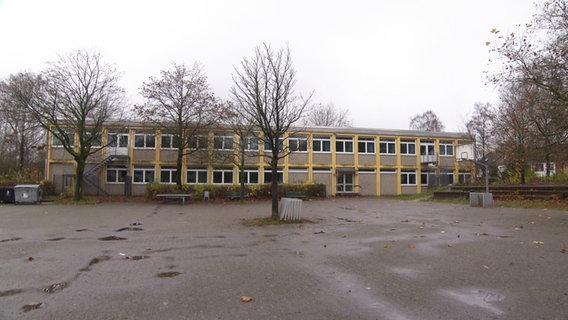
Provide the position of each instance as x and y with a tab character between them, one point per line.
361	258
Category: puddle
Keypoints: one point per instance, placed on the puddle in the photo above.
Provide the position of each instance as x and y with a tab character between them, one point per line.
12	292
478	298
129	229
136	258
56	287
112	238
94	261
32	306
56	239
11	239
169	274
81	230
136	224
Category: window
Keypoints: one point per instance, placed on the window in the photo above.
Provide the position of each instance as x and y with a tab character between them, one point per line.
250	176
168	175
268	147
268	175
68	134
366	145
224	176
321	144
344	144
408	177
251	142
427	148
388	146
424	178
117	140
298	143
169	141
144	140
97	138
143	175
407	147
197	176
198	142
116	174
446	148
223	142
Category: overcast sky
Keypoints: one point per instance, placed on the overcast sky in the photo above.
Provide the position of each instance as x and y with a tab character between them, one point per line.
384	60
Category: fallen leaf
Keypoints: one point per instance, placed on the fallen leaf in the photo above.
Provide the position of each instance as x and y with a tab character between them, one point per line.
486	267
386	246
443	231
412	246
246	299
538	242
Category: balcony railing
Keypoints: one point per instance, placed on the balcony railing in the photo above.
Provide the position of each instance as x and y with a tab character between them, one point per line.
428	158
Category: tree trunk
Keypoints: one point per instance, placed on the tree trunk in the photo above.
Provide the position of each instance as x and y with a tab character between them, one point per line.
78	194
22	154
179	163
242	171
274	185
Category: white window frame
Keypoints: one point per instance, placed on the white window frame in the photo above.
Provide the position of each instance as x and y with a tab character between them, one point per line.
366	142
117	175
406	177
147	138
387	143
225	174
170	172
298	144
144	175
55	142
344	142
407	143
320	142
252	142
196	141
198	173
247	176
223	142
267	146
446	149
171	144
267	171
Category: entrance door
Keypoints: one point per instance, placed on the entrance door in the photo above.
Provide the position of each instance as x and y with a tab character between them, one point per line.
345	182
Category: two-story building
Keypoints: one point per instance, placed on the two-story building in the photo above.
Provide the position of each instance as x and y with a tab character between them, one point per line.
347	160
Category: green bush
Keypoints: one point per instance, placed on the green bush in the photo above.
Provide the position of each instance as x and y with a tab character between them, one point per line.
312	190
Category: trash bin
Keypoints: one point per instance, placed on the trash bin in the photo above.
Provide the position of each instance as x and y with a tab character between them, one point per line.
7	194
28	193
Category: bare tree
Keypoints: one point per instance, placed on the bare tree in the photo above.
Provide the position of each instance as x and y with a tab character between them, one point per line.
181	103
79	94
263	92
428	121
327	115
22	135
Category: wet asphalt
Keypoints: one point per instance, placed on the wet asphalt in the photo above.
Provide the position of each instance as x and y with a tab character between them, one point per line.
360	258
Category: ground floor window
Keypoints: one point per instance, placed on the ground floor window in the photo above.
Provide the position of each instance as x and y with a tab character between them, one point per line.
223	176
250	176
408	177
196	176
143	175
345	182
268	176
168	175
116	174
464	178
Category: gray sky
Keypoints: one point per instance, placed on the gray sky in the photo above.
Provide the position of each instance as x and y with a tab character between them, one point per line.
384	60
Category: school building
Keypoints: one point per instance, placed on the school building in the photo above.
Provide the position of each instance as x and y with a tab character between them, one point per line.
349	161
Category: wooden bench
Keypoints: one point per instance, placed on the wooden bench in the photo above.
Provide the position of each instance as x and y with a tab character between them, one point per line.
296	194
181	196
232	195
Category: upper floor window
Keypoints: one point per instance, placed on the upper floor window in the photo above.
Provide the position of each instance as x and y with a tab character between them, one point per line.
268	145
223	141
298	143
68	135
96	138
251	142
388	146
344	144
427	148
366	145
119	140
321	143
446	148
169	141
144	140
198	142
408	146
196	176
